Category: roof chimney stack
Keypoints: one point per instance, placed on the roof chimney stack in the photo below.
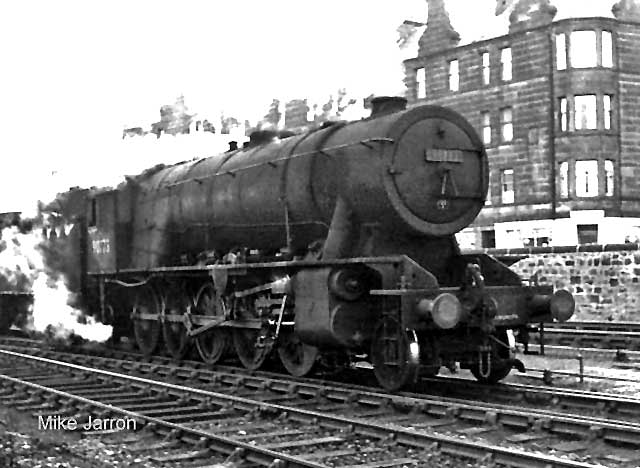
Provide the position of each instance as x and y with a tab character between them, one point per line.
627	10
439	34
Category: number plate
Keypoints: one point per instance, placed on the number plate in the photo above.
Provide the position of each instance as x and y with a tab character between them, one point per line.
444	155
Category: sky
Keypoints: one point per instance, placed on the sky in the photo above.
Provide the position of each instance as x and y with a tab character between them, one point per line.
74	73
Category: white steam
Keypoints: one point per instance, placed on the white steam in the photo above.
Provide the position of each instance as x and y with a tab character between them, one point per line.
23	266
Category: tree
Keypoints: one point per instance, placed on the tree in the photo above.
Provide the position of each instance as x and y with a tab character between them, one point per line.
228	124
273	116
174	119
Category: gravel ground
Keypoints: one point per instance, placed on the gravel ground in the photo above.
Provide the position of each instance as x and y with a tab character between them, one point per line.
22	444
629	387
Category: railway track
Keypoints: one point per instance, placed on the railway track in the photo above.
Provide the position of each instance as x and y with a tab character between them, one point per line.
592	334
496	430
602	403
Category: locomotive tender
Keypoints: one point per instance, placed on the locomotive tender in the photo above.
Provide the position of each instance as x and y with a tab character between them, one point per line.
322	246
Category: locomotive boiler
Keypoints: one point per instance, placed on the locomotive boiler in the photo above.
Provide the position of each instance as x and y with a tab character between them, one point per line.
318	247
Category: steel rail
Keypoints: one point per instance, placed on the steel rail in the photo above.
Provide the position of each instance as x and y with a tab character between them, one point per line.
446	444
432	385
225	445
562	397
602	335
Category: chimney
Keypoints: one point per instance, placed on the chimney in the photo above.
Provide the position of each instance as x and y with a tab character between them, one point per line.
383	105
439	34
529	14
627	10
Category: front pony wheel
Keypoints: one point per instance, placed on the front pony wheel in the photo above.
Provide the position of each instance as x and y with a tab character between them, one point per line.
395	354
492	366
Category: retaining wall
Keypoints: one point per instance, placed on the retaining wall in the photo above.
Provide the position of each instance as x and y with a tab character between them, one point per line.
604	279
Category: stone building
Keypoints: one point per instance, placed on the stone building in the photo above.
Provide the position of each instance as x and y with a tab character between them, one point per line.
557	104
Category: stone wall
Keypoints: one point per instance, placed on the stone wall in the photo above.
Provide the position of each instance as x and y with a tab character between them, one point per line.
605	280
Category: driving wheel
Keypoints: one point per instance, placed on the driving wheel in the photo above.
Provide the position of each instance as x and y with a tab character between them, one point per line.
297	357
214	344
252	344
146	310
176	340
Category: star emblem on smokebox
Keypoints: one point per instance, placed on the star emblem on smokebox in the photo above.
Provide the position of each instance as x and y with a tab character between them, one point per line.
440	132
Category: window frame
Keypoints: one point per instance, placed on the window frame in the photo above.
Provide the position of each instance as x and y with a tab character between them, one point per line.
573	49
592	176
583	229
450	75
607	112
603	54
486	67
563	175
588	114
609	180
488	238
561	52
506	72
610	55
563	113
504	186
93	212
488	197
421	83
485	122
504	124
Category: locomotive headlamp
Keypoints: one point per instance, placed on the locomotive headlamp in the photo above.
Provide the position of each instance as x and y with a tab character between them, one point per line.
562	305
446	311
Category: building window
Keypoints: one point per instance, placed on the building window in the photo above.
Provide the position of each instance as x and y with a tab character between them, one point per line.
606	107
583	50
607	49
486	68
564	179
486	127
538	237
564	115
421	84
561	52
505	63
587	233
585	112
506	182
487	200
93	215
454	76
587	178
311	112
488	239
512	238
608	177
506	124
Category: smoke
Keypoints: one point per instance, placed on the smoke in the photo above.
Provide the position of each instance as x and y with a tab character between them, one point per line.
17	262
22	269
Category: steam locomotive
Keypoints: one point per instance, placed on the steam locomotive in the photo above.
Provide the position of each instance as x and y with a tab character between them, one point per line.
319	247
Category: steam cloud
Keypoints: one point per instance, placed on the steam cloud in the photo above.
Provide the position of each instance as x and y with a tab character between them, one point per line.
22	269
